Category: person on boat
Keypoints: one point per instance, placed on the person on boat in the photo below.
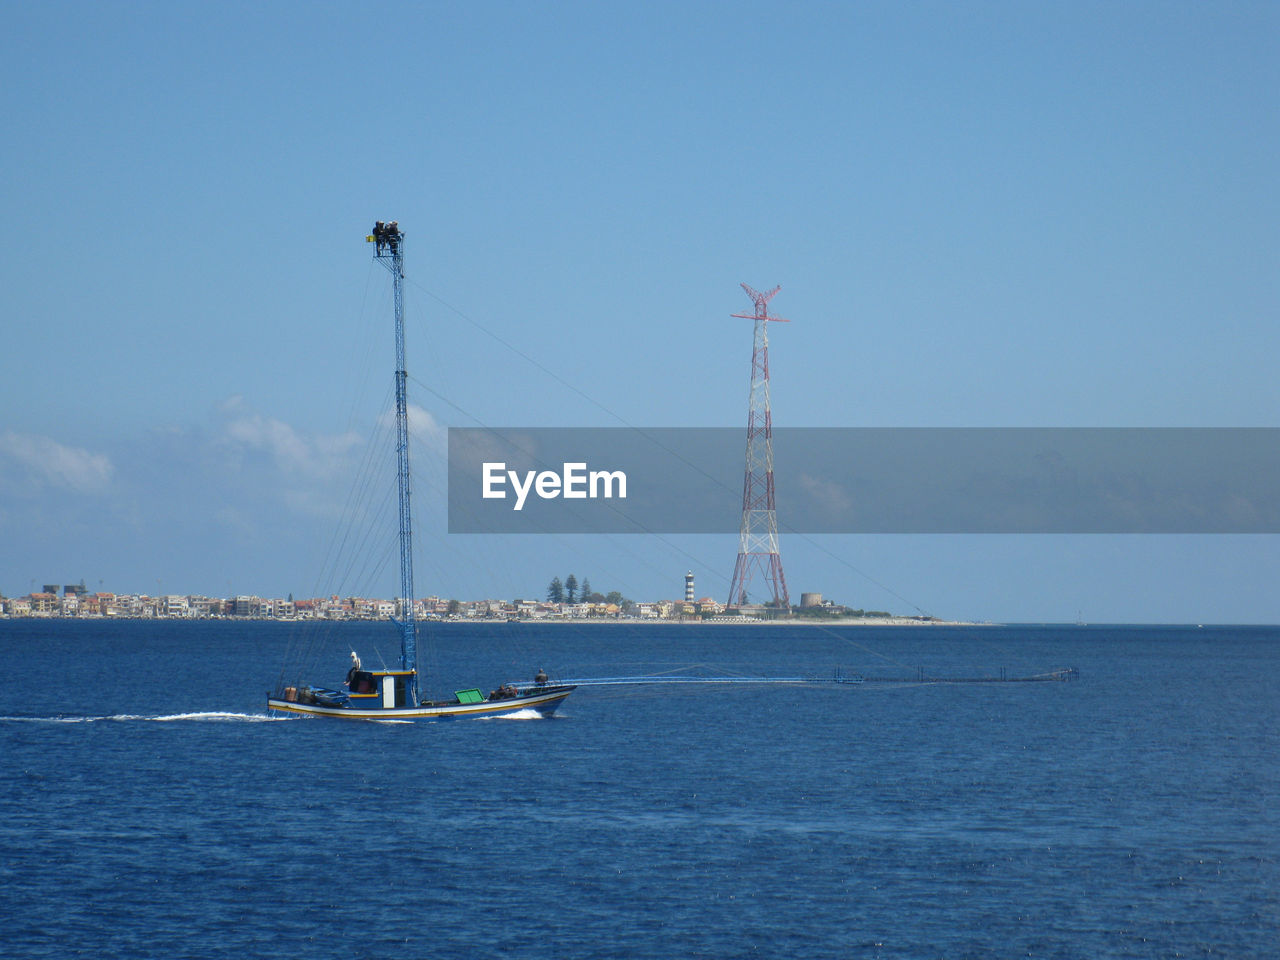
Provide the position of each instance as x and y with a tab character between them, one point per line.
355	668
541	678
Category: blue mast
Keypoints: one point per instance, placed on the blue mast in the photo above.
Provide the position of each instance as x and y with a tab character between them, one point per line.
389	251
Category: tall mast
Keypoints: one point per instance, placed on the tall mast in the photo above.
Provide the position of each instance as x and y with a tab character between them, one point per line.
758	534
389	251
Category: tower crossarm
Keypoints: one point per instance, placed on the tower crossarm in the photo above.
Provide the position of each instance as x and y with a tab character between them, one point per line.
761	300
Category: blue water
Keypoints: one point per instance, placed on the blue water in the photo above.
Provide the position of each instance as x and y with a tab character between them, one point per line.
1132	814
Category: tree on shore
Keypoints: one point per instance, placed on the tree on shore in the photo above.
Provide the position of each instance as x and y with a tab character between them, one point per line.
555	592
571	588
585	593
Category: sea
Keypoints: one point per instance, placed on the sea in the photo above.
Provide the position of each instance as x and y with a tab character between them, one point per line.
151	808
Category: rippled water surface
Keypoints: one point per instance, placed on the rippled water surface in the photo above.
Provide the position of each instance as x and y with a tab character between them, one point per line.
149	808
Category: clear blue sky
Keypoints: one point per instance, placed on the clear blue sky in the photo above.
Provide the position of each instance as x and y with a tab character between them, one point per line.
981	214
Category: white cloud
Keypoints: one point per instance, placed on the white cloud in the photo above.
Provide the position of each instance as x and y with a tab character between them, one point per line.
423	426
54	463
831	497
318	456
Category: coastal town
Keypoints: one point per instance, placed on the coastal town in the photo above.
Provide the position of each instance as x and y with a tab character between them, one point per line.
76	601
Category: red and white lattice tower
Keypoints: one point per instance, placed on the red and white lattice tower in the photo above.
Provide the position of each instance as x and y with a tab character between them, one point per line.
758	548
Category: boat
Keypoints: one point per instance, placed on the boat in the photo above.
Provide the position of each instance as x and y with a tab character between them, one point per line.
395	694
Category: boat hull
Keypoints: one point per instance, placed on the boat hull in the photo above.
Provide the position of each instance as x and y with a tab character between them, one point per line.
542	701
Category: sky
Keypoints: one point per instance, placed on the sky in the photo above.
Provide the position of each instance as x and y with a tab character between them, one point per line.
980	214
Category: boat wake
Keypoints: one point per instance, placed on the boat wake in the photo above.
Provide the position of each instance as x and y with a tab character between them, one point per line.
527	714
216	716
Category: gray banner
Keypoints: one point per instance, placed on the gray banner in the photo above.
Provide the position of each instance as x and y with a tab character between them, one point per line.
869	480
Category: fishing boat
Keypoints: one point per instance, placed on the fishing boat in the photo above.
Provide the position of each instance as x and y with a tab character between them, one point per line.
394	694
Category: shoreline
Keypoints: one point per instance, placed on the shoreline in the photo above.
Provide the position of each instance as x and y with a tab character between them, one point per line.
746	622
551	621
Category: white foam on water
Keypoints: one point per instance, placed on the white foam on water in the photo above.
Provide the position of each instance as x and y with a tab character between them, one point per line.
220	716
528	713
50	719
